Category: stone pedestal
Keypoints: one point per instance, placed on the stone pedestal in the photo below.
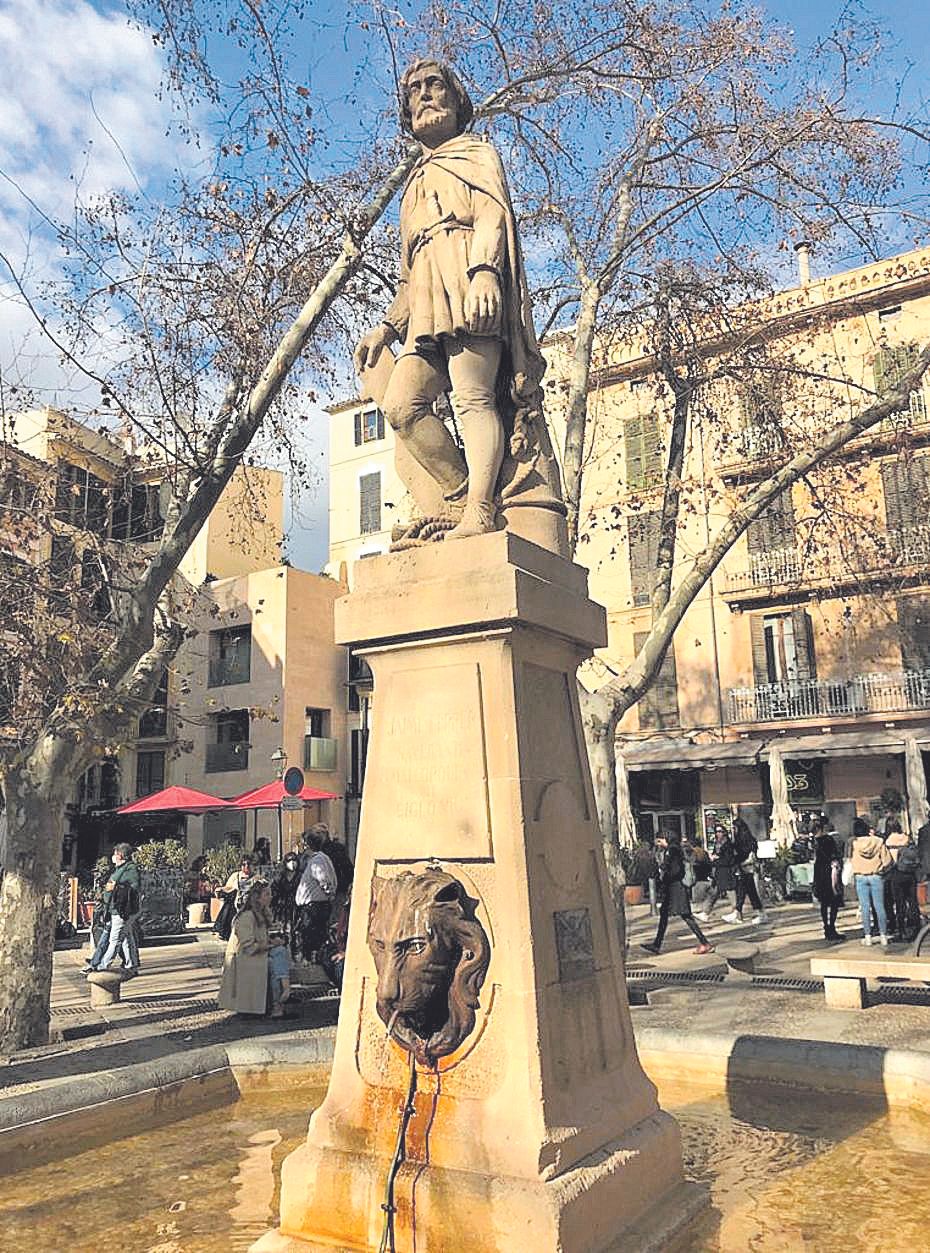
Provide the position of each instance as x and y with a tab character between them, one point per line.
105	987
541	1132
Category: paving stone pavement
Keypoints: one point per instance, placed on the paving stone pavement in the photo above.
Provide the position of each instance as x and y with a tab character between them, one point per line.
171	1005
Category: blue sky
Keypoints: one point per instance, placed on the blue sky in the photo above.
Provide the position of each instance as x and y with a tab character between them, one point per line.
81	109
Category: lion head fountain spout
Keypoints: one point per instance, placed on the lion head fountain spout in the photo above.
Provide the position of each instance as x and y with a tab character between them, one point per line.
432	955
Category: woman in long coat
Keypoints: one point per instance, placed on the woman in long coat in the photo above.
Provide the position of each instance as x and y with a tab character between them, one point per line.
828	881
244	988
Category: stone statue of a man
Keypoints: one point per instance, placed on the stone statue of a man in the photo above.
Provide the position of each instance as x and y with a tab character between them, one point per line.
463	321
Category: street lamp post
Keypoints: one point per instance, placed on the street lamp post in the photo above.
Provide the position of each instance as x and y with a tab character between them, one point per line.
279	757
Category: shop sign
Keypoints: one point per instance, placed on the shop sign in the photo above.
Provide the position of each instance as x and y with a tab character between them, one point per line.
805	781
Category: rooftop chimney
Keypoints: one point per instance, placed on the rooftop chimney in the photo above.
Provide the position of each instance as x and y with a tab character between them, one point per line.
803	249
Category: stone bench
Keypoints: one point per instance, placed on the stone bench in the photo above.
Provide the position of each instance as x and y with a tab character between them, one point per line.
844	978
105	987
740	957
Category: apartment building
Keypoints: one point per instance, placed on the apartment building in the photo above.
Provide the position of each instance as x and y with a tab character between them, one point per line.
263	684
813	635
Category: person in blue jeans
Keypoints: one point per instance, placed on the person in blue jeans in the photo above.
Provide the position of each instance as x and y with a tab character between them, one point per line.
871	861
121	903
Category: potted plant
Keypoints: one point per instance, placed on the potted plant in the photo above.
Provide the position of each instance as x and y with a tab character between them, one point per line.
639	866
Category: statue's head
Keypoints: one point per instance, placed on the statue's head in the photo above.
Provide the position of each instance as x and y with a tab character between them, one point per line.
434	106
431	954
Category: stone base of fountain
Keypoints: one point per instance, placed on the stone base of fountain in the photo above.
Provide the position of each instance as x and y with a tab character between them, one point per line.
540	1132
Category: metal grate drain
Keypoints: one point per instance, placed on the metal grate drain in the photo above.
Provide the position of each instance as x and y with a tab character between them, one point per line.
775	982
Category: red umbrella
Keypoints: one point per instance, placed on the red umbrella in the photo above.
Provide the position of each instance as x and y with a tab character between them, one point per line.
271	795
186	800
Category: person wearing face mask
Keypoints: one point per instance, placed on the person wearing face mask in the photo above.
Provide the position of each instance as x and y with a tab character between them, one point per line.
283	899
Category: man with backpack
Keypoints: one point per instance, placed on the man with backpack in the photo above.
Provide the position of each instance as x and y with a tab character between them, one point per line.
121	898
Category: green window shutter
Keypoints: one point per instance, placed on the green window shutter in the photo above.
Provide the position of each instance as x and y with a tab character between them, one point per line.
906	487
803	631
760	665
633	453
643	541
658	707
652	451
380	425
369	489
914	631
774	528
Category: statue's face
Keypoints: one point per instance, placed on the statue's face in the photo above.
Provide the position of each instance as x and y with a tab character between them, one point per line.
433	108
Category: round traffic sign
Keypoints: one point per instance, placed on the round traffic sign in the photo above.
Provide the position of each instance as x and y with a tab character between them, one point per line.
293	780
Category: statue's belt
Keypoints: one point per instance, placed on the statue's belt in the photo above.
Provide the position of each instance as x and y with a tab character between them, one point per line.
424	234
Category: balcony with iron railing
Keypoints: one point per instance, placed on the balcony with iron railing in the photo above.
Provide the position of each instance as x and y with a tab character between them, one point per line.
858	696
778	572
753	448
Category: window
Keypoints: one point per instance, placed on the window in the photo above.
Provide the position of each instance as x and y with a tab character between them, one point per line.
774	527
99	785
914	628
17	582
61	564
906	485
229	749
81	499
150	772
360	676
658	707
9	686
359	753
369	512
230	656
892	362
643	452
94	583
137	512
782	647
154	722
319	749
761	406
369	426
643	540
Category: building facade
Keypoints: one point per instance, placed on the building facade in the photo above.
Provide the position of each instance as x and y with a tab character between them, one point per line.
261	684
813	635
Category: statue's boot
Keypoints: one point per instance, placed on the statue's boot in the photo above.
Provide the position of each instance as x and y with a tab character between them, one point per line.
479	518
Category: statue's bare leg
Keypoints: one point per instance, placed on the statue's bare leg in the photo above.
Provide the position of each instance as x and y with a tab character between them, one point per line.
415	382
473	364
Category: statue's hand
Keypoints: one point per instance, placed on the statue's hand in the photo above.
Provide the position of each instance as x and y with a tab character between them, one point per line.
370	348
483	302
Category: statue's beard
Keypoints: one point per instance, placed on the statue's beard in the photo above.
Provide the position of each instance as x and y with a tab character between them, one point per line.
432	124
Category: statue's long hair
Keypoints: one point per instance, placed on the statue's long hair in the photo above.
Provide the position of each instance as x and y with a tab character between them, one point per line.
453	910
464	108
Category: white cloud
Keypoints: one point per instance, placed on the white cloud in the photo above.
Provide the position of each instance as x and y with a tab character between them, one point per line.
81	118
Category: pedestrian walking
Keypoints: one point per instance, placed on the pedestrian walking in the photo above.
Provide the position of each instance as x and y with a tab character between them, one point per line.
828	882
723	873
747	849
315	893
870	862
245	984
674	895
696	857
121	899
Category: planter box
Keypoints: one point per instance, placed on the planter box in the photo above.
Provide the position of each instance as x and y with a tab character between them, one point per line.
923	893
633	894
196	915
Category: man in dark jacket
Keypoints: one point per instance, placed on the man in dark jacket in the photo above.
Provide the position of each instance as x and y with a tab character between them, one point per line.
121	904
675	898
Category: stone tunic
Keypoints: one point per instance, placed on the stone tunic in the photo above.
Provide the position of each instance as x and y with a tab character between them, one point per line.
448	229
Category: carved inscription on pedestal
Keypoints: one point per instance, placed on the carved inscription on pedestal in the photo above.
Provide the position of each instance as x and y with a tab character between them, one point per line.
574	944
433	798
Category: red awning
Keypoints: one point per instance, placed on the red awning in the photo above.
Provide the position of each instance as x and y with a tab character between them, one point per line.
272	794
185	800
